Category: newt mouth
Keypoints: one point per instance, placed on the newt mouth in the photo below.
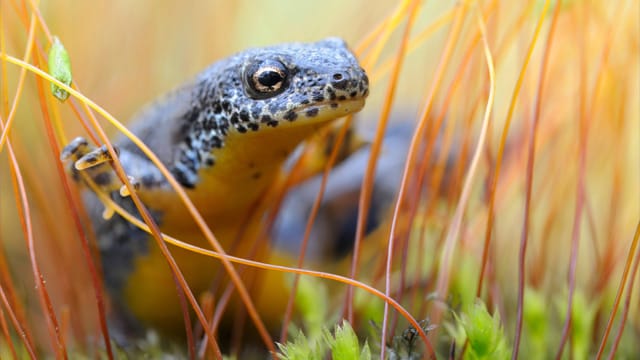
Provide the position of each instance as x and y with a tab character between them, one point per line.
329	110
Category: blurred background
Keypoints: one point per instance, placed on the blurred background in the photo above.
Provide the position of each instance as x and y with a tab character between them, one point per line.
124	54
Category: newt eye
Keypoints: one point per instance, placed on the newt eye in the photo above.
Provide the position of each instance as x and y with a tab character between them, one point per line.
266	79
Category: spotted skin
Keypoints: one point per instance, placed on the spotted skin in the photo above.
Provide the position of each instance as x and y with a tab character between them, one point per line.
224	137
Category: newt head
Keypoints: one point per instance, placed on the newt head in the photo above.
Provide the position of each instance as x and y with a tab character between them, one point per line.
258	105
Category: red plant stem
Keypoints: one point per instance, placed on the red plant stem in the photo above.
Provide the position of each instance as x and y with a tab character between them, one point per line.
500	155
367	182
309	226
20	329
623	281
580	201
529	183
22	203
425	162
625	311
5	333
95	279
14	306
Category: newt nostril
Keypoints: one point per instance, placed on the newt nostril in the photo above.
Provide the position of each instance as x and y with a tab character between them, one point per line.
340	80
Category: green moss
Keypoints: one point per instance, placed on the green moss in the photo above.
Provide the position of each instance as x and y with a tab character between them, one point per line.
343	344
302	349
484	333
536	324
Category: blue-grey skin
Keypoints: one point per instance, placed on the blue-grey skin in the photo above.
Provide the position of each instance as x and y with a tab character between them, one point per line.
334	228
333	233
240	94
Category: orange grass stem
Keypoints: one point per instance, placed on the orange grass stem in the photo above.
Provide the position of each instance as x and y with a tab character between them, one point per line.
7	336
5	277
84	243
503	142
309	226
19	327
611	31
265	266
4	135
384	25
529	181
580	195
420	129
623	282
454	227
438	174
387	28
413	44
453	35
364	200
625	310
23	207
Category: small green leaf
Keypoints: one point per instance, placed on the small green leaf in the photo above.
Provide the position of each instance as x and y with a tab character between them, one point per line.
483	331
344	344
301	349
59	68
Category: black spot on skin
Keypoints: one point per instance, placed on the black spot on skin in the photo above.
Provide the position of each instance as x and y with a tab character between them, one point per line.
290	115
183	179
342	98
312	112
334	105
332	96
253	126
147	180
272	123
209	161
304	102
256	175
90	160
265	119
234	118
244	116
103	178
318	98
353	94
241	129
226	105
217	109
